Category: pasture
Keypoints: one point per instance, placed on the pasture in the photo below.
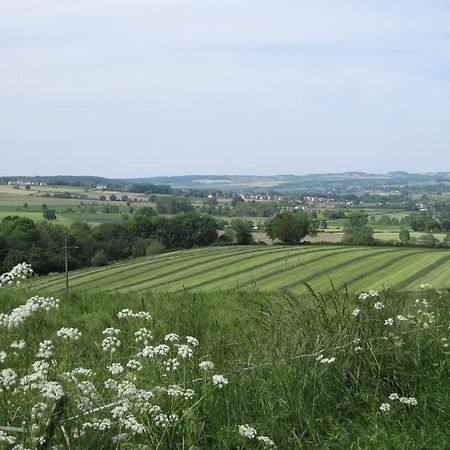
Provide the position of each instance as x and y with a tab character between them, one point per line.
265	268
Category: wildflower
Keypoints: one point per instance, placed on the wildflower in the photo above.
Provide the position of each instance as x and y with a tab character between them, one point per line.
394	396
366	295
219	381
69	333
356	312
266	441
111	331
115	368
19	272
389	321
38	410
385	407
161	349
3	356
17	345
110	343
185	351
327	360
134	365
410	401
45	349
7	377
143	335
206	365
131	424
6	438
378	305
171	364
247	431
52	390
21	313
401	318
162	420
357	349
171	337
192	340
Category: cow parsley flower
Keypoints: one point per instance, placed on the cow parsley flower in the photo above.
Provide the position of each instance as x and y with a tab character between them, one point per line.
267	442
69	333
219	381
247	431
185	351
385	407
115	368
134	365
17	345
111	331
389	322
393	396
171	337
52	390
192	340
45	349
110	343
410	401
3	356
206	365
378	305
7	377
356	312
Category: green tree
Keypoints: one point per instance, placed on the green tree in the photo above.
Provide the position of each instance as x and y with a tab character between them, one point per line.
243	234
49	214
291	228
404	236
357	232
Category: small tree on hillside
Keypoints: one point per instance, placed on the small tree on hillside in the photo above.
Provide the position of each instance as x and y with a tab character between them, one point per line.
291	228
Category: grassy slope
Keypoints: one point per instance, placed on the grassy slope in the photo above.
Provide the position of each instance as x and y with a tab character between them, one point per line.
267	268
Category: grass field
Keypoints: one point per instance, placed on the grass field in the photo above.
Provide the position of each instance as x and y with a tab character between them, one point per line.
224	370
266	268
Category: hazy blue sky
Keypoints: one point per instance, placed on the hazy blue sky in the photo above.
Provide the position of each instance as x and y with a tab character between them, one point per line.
126	88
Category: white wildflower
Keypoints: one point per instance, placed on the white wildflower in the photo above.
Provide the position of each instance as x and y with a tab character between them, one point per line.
185	351
6	438
171	337
393	396
267	442
110	343
247	431
389	321
219	381
17	345
45	349
52	390
115	368
7	377
385	407
192	340
111	331
378	305
69	333
171	364
3	356
134	365
206	365
143	335
410	401
356	312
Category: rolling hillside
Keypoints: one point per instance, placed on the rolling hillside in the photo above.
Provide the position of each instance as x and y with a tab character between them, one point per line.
360	268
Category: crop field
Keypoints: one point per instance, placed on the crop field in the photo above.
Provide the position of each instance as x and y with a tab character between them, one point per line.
266	268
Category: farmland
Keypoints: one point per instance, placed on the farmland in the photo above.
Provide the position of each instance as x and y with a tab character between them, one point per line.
266	268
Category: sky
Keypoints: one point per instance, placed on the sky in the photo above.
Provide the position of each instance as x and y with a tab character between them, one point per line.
135	88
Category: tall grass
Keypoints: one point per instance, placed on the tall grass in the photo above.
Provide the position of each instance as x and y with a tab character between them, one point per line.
308	372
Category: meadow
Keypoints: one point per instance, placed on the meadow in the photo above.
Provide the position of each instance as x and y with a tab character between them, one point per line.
265	268
246	369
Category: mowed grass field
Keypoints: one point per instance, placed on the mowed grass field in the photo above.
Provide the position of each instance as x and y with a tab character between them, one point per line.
266	268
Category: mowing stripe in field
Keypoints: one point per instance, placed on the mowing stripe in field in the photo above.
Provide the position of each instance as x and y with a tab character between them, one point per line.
125	270
325	272
395	274
223	281
340	276
188	273
374	269
159	269
439	278
418	275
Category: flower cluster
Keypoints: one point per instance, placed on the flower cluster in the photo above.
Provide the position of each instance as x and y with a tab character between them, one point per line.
250	433
369	294
16	274
72	334
124	313
409	401
20	314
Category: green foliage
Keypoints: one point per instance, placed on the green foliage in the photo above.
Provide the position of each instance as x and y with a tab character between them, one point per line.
290	228
173	205
404	236
357	232
285	391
